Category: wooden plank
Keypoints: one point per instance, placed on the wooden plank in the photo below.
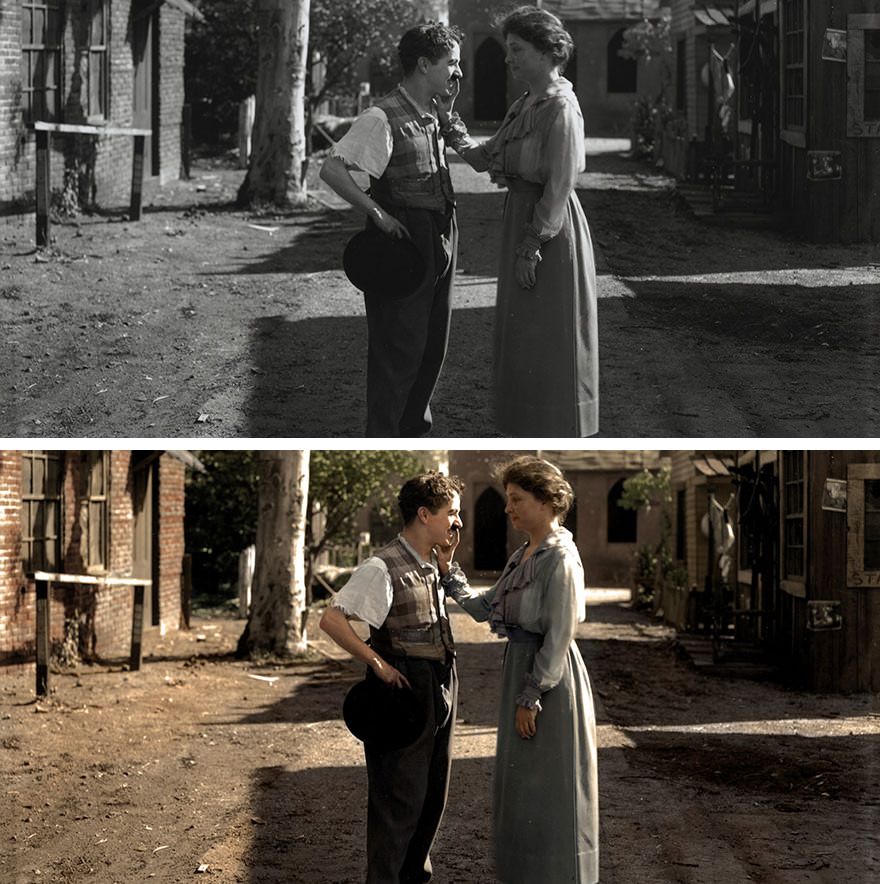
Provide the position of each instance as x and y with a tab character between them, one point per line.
42	638
137	177
78	129
42	187
89	579
137	629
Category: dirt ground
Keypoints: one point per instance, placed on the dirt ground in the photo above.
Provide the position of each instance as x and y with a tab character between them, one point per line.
204	321
201	762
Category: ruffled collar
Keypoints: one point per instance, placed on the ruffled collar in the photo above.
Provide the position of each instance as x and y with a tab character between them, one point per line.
518	574
519	122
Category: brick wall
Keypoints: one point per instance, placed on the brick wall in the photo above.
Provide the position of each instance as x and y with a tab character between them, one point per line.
104	613
111	155
16	608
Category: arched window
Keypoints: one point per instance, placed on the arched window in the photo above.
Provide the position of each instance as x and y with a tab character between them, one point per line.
622	72
622	524
490	532
490	81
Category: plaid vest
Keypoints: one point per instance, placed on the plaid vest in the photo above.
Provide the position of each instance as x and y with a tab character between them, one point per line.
417	624
414	177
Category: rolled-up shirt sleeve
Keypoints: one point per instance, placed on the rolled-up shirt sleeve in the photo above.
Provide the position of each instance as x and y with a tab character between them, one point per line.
368	594
368	143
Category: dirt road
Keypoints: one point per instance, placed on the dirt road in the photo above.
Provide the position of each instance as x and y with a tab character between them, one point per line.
203	321
123	777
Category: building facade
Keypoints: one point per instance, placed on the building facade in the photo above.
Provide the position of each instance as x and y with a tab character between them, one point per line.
607	536
606	84
785	93
801	577
102	63
99	513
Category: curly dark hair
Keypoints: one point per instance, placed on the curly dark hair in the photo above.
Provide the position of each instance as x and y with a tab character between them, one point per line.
430	40
432	490
542	29
541	478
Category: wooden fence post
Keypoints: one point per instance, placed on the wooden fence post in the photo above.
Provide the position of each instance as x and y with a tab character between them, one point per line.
42	637
42	184
137	629
137	177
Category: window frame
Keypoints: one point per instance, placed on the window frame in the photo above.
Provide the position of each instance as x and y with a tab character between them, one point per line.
794	518
856	124
34	56
94	543
97	83
793	133
30	498
856	573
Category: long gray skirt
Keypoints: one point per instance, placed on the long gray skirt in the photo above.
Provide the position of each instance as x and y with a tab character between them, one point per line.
546	791
546	367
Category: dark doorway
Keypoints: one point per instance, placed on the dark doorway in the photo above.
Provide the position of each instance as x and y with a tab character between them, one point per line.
145	88
490	81
622	72
622	524
490	532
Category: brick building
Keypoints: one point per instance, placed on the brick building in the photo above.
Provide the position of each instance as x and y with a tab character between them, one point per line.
607	535
102	513
99	63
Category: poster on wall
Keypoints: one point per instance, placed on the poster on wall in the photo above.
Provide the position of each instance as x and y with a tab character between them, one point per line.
834	45
824	165
834	495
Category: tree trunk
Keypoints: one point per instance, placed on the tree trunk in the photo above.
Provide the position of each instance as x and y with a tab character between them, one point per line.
276	172
276	625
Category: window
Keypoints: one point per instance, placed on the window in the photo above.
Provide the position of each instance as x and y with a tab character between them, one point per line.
863	525
41	510
622	72
863	76
93	495
622	524
41	59
794	79
793	513
96	108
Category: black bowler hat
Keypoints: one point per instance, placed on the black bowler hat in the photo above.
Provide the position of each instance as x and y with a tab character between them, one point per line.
382	716
377	262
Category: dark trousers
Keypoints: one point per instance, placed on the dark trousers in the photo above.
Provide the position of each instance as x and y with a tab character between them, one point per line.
408	336
408	787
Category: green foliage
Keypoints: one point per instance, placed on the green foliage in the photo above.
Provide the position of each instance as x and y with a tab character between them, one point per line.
648	40
221	518
341	483
221	505
347	33
220	65
350	36
645	575
646	489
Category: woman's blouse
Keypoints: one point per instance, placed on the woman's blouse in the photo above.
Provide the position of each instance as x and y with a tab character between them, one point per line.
543	144
543	595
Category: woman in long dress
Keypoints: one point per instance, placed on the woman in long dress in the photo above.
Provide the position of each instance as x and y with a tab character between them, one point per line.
545	794
546	361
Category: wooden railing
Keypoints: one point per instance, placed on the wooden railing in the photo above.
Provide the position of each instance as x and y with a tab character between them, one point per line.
43	580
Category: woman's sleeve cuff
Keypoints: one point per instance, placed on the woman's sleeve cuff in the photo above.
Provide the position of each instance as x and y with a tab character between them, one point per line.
530	697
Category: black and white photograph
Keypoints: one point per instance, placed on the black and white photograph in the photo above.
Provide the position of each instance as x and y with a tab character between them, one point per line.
439	441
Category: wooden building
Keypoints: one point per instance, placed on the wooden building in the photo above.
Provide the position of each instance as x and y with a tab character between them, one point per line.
607	535
781	97
97	513
805	575
100	64
605	83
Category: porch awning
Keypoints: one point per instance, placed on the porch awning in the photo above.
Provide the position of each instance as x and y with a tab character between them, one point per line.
712	467
603	10
714	16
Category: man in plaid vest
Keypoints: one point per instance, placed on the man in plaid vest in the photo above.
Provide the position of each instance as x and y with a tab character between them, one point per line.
398	143
398	593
